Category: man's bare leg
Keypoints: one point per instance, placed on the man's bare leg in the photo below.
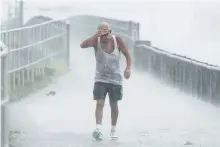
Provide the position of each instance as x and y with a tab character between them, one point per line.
97	134
114	118
114	112
99	111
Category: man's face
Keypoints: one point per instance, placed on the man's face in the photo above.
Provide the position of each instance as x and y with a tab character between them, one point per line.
104	30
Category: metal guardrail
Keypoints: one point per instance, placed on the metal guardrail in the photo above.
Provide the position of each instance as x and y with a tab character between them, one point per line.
28	55
201	80
31	50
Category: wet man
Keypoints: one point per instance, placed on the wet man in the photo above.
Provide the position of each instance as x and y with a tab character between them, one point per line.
108	76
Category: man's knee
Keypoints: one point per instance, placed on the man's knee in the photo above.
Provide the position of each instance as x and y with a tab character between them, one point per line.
113	104
99	91
100	103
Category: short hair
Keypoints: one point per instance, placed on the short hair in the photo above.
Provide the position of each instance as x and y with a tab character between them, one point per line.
105	24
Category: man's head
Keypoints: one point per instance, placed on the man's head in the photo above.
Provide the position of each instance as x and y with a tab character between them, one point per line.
104	27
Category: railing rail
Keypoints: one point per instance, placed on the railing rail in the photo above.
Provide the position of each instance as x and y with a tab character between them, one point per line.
30	57
199	79
29	51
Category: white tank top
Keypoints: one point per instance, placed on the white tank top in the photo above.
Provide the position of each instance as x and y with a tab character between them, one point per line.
108	66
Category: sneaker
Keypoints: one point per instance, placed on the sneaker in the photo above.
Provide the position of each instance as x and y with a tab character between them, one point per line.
97	134
113	135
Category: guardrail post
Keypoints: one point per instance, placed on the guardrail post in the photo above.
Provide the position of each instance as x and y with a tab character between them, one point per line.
4	73
4	94
68	45
4	136
138	31
6	80
1	75
2	118
130	29
21	13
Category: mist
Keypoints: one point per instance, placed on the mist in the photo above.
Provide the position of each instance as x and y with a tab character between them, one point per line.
151	112
182	27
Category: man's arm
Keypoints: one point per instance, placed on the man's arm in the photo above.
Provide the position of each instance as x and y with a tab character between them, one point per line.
90	42
124	50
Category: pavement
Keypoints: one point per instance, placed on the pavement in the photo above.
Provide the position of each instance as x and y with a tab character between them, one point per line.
152	114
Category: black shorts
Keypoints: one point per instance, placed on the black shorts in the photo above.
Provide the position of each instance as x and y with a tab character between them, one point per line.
101	89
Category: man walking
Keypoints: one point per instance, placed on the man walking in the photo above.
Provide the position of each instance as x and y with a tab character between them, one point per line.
108	76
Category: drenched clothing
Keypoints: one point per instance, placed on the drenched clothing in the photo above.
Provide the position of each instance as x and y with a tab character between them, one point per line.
108	75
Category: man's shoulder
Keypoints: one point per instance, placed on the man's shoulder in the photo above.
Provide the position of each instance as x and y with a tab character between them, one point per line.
116	36
118	39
